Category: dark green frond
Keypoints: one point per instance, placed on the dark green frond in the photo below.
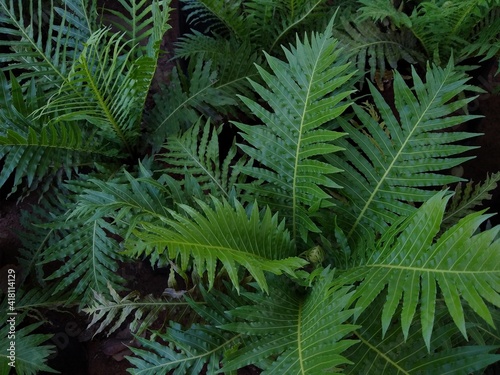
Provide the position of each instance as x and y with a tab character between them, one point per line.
303	94
199	348
469	197
391	162
30	355
412	263
180	105
196	153
89	254
144	23
371	48
305	332
43	41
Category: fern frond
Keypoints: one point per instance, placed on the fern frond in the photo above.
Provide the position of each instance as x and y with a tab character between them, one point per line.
390	353
485	37
142	311
31	149
222	233
412	263
107	88
379	10
370	47
45	47
304	332
303	94
143	23
179	106
202	346
196	152
393	163
219	17
30	355
467	198
89	256
445	26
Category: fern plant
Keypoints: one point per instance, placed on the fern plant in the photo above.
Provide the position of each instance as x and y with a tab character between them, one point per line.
323	238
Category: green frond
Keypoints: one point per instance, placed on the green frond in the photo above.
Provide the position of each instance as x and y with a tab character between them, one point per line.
303	95
371	48
390	353
305	332
222	234
127	198
469	197
34	151
143	23
89	256
36	155
140	312
30	355
196	153
412	263
201	347
445	26
484	39
44	39
390	162
180	105
106	87
380	10
35	237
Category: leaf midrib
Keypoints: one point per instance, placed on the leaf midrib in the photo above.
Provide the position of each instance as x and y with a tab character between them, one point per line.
395	159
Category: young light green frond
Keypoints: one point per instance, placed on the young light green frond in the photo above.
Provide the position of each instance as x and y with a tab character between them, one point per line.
37	154
89	255
197	349
304	332
179	106
469	197
304	93
107	87
196	152
370	47
44	39
413	263
30	355
226	234
392	162
391	353
139	312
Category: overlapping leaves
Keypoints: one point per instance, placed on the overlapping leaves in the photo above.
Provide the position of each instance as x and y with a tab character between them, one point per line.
227	234
392	162
416	268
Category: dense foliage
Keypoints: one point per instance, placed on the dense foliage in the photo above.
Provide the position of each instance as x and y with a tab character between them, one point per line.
326	235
